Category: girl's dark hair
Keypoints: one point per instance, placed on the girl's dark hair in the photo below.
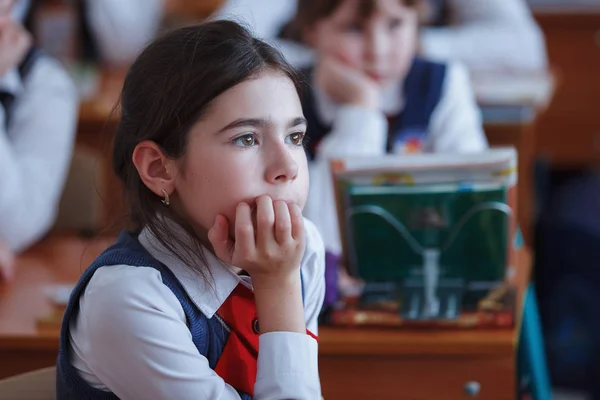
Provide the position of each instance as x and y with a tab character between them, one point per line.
167	90
311	11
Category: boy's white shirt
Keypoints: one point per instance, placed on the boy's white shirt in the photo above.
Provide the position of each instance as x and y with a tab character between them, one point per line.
35	150
131	335
455	126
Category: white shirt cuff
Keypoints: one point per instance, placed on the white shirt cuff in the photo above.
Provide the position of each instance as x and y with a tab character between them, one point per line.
287	367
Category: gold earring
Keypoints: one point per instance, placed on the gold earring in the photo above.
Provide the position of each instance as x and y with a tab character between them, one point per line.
166	201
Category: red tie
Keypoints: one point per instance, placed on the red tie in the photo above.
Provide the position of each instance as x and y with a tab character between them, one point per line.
237	364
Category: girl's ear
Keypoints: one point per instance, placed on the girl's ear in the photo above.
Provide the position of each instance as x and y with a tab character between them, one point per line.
157	171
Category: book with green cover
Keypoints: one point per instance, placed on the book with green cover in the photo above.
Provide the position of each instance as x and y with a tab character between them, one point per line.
430	237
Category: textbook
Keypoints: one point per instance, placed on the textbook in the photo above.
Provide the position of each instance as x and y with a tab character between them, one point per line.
430	235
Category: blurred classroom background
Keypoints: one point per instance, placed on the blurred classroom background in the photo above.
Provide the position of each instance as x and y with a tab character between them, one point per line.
536	78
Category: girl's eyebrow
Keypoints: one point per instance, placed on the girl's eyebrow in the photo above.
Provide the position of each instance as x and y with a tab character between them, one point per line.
261	123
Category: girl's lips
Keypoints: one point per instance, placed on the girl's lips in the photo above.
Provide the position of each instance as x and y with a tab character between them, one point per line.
376	76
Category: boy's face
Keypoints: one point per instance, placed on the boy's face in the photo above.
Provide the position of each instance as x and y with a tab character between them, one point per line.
382	45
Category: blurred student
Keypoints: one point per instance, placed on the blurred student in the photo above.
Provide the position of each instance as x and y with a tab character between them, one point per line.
369	95
38	109
481	34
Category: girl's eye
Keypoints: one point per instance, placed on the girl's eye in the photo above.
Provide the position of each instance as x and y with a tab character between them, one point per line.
248	140
295	138
353	27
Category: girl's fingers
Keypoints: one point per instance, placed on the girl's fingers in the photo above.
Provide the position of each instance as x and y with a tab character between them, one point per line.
265	221
245	243
283	222
218	236
297	221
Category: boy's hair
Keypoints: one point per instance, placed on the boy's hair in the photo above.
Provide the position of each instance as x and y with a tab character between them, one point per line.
311	11
167	90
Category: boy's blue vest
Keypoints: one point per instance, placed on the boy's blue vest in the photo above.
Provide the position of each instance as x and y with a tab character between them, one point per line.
422	91
207	334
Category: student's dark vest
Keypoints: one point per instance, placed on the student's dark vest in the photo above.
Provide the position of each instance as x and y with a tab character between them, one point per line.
7	100
422	91
209	335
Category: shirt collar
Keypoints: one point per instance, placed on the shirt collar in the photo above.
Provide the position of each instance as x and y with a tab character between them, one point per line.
207	296
11	82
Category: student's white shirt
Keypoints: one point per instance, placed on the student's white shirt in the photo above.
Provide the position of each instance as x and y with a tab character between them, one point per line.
484	33
131	334
35	150
455	126
488	34
122	28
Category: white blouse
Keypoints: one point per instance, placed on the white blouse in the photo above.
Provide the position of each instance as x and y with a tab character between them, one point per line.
35	150
131	337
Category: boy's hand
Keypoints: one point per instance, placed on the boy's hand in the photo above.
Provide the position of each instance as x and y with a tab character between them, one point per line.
346	85
7	264
270	249
15	42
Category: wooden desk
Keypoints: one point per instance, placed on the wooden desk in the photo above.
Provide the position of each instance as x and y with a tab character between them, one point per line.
57	260
354	364
388	364
570	129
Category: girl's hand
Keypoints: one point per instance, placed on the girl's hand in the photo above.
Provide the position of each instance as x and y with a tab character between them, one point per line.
7	263
346	85
15	42
269	251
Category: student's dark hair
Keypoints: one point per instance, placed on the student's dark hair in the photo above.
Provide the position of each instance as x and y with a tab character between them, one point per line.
167	90
312	11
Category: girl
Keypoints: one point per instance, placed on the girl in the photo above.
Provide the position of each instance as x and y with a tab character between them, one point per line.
371	96
209	148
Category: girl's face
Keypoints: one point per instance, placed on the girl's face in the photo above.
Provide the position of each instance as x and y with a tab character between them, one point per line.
248	143
382	46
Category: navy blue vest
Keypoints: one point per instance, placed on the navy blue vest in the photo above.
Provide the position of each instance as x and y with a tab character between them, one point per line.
422	91
207	334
